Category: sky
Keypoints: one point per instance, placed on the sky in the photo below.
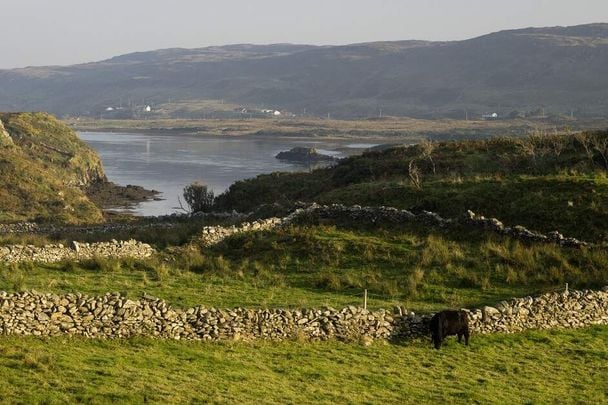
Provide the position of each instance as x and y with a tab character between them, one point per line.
63	32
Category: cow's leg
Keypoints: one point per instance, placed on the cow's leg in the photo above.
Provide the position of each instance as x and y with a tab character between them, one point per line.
460	337
437	339
466	336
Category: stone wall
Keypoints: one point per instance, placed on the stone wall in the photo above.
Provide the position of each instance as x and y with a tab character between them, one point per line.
211	235
214	234
566	310
115	316
160	222
78	251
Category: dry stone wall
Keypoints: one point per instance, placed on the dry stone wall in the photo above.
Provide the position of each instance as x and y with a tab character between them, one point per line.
78	251
115	316
214	234
565	310
163	222
211	235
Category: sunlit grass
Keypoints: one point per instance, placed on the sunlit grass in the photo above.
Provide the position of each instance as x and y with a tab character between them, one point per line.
532	367
423	269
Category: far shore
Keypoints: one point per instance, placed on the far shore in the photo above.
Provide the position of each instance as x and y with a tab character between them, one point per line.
401	129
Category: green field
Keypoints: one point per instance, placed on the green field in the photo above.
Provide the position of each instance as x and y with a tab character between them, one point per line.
419	267
532	367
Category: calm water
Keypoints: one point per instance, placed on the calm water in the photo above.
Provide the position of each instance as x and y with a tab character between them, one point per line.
167	163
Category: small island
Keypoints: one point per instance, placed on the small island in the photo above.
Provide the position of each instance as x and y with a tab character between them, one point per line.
304	155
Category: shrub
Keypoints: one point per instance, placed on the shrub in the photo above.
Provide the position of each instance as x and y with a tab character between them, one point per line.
198	197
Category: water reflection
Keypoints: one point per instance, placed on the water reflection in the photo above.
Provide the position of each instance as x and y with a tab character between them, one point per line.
167	163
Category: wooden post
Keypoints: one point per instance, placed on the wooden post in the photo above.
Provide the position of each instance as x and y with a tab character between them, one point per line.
365	300
566	287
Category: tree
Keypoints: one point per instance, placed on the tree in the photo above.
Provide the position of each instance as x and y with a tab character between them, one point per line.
600	144
427	147
198	197
587	144
414	175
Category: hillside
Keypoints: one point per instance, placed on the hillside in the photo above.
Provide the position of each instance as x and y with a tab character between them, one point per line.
44	168
542	181
559	69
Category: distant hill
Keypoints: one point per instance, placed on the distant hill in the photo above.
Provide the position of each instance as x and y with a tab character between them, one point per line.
44	168
559	70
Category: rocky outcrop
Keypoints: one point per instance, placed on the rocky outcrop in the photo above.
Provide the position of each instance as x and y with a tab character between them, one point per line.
304	155
78	251
116	316
5	138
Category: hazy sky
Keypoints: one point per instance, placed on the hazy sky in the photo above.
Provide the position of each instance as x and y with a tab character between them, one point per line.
45	32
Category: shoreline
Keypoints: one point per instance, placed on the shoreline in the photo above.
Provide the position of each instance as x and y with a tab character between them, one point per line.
390	129
113	198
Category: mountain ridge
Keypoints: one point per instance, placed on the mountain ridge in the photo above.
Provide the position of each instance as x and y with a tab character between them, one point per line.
559	69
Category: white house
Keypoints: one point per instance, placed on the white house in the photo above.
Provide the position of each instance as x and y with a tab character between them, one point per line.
148	108
276	113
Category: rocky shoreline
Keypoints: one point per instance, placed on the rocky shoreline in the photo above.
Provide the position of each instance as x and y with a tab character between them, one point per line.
107	195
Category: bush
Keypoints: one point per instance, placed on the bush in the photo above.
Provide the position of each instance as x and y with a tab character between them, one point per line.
198	197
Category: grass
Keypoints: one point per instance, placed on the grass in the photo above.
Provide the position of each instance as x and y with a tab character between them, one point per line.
41	169
157	234
574	205
423	269
545	182
532	367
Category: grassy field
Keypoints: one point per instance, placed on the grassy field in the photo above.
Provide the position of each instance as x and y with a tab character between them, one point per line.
532	367
421	268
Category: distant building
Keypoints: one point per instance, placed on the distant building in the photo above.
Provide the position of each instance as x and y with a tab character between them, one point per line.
276	113
110	109
492	116
148	108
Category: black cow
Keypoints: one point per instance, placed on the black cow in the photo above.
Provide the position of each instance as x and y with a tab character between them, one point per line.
446	323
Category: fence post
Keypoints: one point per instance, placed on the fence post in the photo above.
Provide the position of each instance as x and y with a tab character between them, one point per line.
365	300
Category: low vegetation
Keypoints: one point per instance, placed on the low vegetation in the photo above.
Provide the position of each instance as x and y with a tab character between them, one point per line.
422	268
43	171
198	197
532	367
545	181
